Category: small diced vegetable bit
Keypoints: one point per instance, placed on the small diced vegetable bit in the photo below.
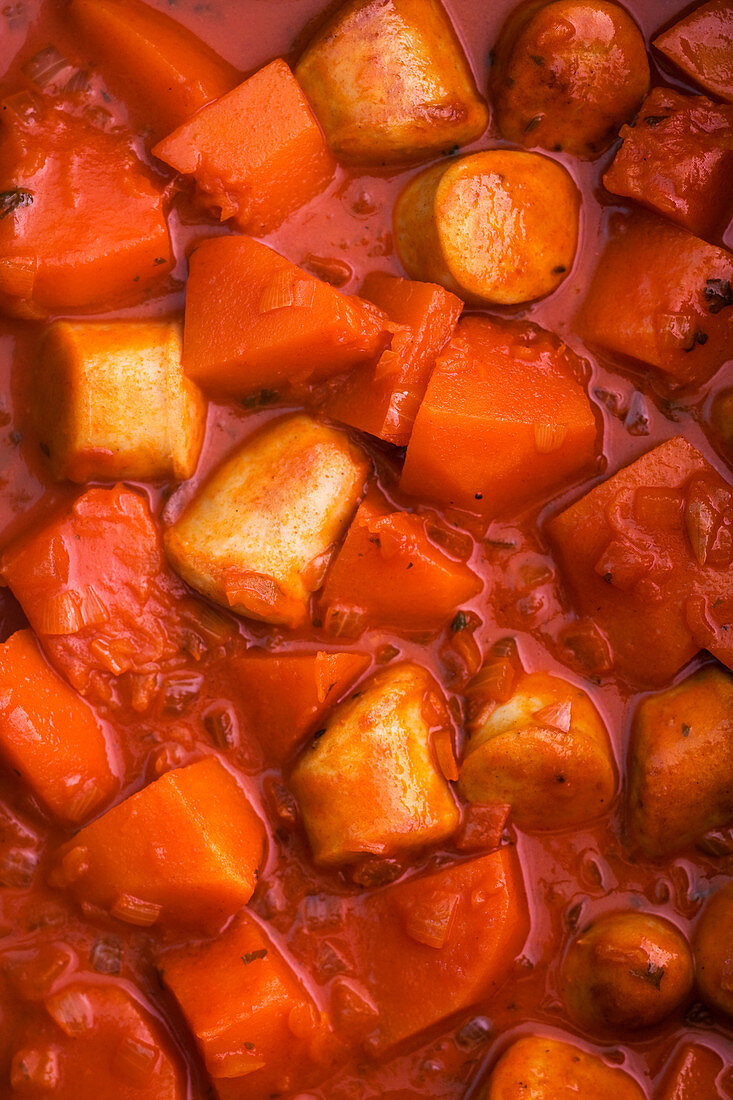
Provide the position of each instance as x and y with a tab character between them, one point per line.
260	534
111	401
567	74
662	296
677	159
371	784
83	225
700	45
435	944
503	421
254	320
92	1040
50	736
693	1073
390	84
545	752
92	580
681	763
548	1069
383	400
390	573
257	154
163	71
721	421
713	949
493	227
186	850
647	555
626	971
284	696
258	1029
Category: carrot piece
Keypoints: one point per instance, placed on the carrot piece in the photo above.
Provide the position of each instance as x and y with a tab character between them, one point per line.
257	154
389	573
693	1073
254	319
383	400
89	230
285	695
699	45
661	296
259	1030
162	71
647	555
437	943
503	421
186	850
50	736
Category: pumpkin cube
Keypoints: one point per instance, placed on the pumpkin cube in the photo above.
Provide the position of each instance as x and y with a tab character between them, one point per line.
389	82
681	763
537	1066
694	1071
700	45
50	736
371	784
111	401
186	850
504	420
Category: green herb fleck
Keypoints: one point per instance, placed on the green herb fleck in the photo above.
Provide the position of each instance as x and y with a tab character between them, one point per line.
718	294
653	974
252	956
654	120
460	622
697	338
537	59
685	730
258	400
533	124
13	200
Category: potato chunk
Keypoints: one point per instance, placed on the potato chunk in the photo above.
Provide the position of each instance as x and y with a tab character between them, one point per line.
713	948
260	534
626	971
545	752
681	763
111	401
700	45
547	1069
498	227
693	1073
389	82
567	74
370	783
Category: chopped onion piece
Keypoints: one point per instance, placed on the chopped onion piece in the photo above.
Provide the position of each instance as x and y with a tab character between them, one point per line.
558	716
72	1011
136	911
135	1060
37	1068
549	437
278	294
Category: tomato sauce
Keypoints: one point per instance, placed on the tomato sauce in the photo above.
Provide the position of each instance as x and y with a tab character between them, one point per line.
570	877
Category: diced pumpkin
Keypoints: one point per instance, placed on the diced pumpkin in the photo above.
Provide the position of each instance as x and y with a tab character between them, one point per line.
93	1040
693	1073
260	534
389	573
647	554
503	420
661	296
677	159
91	577
500	226
389	82
383	400
257	154
111	401
548	1069
88	230
699	44
370	783
437	943
186	850
712	946
681	763
545	752
259	1030
254	319
50	736
162	71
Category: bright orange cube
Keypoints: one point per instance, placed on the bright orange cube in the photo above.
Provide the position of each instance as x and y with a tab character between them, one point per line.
257	154
186	850
700	45
51	737
693	1073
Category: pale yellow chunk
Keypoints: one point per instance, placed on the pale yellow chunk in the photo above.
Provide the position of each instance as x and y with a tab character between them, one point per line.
370	784
545	752
389	82
493	227
535	1068
260	534
111	401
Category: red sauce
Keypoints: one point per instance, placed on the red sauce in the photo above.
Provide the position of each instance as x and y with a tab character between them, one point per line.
571	877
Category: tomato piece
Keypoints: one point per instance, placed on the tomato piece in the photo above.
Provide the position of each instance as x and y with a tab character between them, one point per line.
699	44
693	1073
